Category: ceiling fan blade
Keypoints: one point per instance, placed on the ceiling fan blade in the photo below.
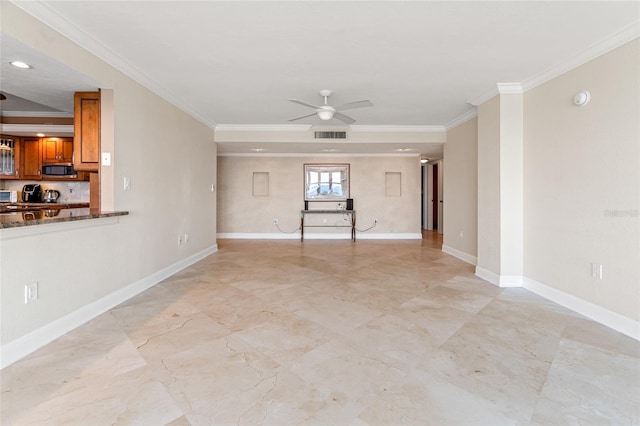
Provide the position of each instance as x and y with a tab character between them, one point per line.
356	104
344	118
303	103
304	116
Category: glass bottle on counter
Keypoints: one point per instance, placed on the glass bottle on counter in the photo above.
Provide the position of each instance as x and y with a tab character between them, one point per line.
8	148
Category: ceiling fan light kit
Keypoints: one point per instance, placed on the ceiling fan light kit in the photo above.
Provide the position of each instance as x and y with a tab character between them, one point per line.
327	112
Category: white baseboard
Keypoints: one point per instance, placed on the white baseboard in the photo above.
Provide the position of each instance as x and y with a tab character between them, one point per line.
307	236
597	313
487	275
29	343
258	236
473	260
499	280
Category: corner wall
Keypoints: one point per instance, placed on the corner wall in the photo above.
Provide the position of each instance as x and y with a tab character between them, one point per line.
582	186
461	189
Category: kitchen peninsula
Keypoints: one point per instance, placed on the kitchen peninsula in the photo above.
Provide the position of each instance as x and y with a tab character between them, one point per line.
45	215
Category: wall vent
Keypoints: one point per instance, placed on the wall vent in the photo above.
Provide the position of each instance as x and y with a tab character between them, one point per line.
330	135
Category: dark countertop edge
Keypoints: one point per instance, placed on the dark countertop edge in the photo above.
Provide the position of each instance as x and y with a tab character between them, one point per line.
56	219
73	205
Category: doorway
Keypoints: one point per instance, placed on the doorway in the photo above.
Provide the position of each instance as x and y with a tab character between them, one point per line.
432	191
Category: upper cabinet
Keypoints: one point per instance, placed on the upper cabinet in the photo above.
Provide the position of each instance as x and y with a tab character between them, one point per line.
9	157
31	159
86	143
57	150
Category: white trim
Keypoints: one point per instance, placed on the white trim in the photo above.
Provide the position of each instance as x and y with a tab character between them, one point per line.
36	128
390	236
502	281
484	97
46	114
597	313
461	119
263	127
487	275
511	280
29	343
51	18
509	88
257	236
473	260
310	154
307	236
397	129
597	49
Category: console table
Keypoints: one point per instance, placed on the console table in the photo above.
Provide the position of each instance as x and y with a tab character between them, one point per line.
351	213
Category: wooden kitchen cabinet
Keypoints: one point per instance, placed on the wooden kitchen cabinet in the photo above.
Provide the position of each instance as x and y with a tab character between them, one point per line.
31	159
57	150
86	141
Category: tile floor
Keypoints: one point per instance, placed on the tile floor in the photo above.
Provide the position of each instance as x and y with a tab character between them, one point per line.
330	332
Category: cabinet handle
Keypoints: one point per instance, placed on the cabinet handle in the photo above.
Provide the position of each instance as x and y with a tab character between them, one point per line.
38	172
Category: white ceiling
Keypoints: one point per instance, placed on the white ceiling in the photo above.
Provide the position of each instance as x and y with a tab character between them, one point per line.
420	63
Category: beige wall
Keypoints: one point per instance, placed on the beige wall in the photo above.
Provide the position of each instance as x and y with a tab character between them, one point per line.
461	189
582	182
239	212
488	184
171	160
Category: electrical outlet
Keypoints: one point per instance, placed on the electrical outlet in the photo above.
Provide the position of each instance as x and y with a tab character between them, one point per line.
275	221
31	292
127	183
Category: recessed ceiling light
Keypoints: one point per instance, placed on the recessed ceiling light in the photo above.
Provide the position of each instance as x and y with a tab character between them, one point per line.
403	149
424	160
20	64
258	149
330	150
40	135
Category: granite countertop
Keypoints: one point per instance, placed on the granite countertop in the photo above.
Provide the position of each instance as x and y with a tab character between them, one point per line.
16	219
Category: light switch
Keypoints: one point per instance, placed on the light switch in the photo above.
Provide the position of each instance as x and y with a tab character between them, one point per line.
106	158
127	183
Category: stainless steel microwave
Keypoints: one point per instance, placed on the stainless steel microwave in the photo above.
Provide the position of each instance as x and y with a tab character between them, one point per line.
59	170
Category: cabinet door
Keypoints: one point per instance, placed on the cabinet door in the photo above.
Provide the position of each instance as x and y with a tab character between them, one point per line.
31	159
86	142
9	157
66	150
50	151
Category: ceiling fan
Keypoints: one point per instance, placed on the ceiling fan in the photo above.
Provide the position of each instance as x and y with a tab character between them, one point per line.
327	112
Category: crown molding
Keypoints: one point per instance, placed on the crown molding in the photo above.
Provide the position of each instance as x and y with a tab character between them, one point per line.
306	128
461	119
36	128
484	97
318	154
509	88
599	48
51	18
397	129
37	114
262	128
